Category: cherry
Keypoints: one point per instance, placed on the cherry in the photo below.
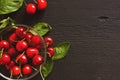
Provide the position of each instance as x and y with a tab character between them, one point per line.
4	44
13	38
15	70
37	46
51	51
36	40
37	60
10	65
11	51
42	4
28	37
26	69
21	58
5	59
48	40
20	31
21	45
31	52
31	8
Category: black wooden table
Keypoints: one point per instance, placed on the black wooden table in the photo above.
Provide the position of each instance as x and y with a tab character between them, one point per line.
92	27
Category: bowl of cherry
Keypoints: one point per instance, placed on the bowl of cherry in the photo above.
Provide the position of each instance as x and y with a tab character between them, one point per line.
22	52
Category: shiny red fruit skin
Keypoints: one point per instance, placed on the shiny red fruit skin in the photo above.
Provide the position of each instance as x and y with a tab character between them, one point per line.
51	51
20	31
28	37
10	65
21	58
5	59
42	4
48	41
26	69
4	44
31	8
21	45
36	40
13	38
11	51
31	52
15	70
37	60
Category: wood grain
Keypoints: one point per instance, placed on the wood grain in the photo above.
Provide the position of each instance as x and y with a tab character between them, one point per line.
92	27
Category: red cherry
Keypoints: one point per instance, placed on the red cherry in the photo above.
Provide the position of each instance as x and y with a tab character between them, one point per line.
27	69
37	46
15	70
48	40
20	31
36	40
28	37
51	51
37	60
11	51
42	4
21	45
22	59
31	8
4	44
10	65
13	38
5	59
31	52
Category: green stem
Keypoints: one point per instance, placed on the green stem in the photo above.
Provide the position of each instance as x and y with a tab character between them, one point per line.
34	68
1	52
11	74
35	1
11	21
25	3
19	57
20	68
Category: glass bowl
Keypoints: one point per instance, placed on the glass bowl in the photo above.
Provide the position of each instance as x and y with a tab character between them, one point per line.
5	33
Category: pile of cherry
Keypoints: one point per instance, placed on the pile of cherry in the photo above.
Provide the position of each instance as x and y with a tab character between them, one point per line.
31	8
20	52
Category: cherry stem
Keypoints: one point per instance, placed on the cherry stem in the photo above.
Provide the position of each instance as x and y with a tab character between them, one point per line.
35	1
13	26
19	57
20	68
41	73
18	77
25	3
34	68
49	54
47	44
10	74
14	40
1	52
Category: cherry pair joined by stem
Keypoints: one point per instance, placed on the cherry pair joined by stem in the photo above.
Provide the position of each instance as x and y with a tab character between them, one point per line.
26	69
31	7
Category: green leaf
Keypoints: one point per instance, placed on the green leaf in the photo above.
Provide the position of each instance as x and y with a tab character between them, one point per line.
47	68
61	50
43	28
8	6
5	22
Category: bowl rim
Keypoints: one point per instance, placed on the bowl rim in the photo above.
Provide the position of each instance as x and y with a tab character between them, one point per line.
45	55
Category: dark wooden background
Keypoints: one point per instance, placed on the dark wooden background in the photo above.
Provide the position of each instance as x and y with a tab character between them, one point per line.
92	27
